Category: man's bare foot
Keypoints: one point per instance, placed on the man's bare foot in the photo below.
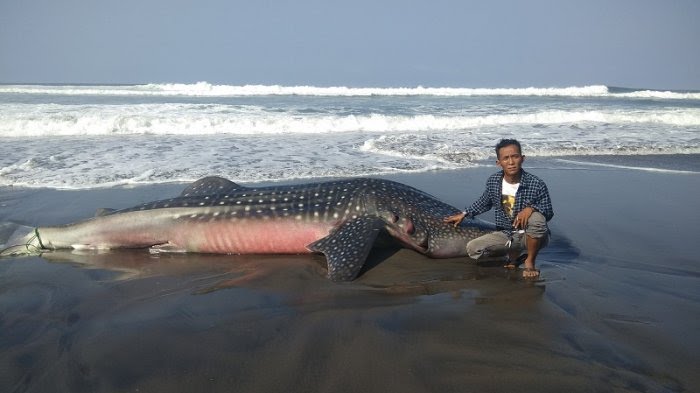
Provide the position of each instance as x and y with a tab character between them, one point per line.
531	272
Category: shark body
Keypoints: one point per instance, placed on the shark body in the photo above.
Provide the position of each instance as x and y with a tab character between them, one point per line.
340	219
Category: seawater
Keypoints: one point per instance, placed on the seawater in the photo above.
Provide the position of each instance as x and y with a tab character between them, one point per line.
67	136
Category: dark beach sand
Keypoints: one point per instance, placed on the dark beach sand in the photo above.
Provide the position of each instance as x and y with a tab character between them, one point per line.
617	309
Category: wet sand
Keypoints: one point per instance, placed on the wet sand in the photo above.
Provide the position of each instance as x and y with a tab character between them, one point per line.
617	308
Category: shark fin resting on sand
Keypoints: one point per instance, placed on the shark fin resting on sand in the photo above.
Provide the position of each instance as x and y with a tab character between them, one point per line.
340	219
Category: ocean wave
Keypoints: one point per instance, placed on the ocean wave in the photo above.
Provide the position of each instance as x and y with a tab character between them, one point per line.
204	89
633	167
152	166
450	152
667	95
94	161
22	120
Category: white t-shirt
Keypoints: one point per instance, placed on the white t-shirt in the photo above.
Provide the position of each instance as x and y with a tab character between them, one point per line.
508	196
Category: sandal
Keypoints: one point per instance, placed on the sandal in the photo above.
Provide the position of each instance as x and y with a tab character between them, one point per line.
511	265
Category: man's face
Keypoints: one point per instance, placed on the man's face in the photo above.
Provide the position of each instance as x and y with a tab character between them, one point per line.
510	159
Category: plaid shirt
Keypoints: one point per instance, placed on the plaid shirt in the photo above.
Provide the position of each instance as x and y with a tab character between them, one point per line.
532	192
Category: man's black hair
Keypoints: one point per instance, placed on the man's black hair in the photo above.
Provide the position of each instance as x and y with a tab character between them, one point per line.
507	142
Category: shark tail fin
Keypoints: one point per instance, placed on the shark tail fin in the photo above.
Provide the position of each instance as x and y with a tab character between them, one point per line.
23	240
104	211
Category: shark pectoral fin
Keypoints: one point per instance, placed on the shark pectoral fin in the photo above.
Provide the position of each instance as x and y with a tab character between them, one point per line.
166	247
347	247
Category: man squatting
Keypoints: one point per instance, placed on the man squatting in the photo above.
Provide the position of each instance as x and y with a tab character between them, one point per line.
522	204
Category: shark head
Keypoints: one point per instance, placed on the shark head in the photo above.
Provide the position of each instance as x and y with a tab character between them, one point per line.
416	220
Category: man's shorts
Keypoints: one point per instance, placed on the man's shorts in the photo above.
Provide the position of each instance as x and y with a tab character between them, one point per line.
496	244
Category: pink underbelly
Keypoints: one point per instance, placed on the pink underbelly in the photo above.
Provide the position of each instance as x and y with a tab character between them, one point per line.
250	237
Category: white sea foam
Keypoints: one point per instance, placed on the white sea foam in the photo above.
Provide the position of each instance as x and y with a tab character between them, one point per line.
22	120
204	89
669	95
104	161
101	136
638	168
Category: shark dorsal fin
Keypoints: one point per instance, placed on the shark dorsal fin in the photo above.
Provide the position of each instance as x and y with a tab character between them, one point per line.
211	185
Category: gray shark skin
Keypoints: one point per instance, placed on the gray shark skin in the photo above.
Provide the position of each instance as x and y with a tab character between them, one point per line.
340	219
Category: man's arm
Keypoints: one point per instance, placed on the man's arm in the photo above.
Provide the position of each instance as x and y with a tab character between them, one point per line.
483	204
539	201
542	202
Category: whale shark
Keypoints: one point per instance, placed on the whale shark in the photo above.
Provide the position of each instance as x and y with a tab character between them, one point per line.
340	219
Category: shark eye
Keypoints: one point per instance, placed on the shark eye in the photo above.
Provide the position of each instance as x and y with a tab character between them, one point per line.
393	218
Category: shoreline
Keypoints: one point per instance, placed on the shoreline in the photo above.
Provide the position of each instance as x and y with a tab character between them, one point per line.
615	310
678	163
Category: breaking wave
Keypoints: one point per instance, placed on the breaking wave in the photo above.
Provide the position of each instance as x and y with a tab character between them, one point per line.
21	120
204	89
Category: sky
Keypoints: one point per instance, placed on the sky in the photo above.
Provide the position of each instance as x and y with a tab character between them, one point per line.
360	43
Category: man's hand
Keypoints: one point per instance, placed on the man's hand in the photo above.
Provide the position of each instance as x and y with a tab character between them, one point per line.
455	219
520	221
